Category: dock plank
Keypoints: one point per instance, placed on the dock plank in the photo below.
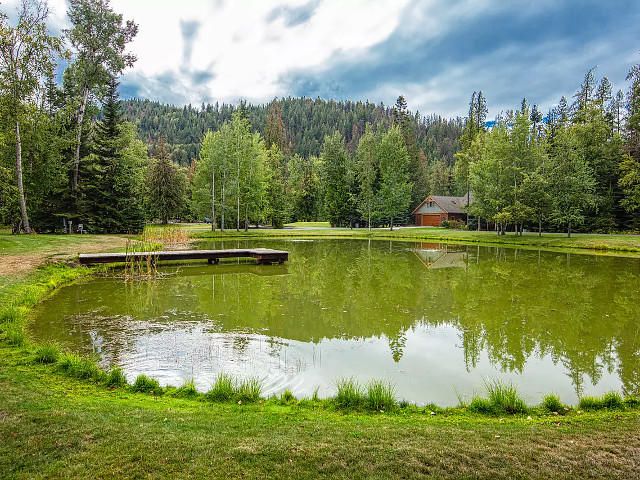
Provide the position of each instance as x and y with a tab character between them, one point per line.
262	255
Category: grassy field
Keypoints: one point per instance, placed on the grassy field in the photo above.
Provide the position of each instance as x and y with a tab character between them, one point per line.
53	426
601	243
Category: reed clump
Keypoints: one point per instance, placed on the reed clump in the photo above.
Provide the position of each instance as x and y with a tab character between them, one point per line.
47	353
144	384
226	388
165	234
141	260
501	399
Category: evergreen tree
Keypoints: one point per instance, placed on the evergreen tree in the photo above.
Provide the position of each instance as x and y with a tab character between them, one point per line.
630	166
368	175
110	192
334	158
165	185
395	188
99	40
27	54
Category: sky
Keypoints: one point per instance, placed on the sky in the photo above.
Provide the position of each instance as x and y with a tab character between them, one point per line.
434	52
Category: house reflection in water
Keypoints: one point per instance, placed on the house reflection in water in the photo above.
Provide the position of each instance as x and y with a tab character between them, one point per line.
438	255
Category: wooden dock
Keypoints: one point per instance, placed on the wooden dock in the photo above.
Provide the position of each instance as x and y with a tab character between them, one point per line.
262	255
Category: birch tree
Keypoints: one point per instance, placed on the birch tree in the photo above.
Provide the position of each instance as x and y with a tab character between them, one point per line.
27	54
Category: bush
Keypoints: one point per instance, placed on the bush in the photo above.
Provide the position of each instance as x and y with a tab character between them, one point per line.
146	384
116	378
381	395
47	353
612	400
590	403
453	224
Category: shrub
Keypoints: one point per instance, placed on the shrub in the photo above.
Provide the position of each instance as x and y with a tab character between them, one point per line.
116	378
47	353
552	403
146	384
632	402
381	395
222	390
349	393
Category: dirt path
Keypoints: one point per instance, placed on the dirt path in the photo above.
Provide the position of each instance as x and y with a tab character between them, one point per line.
22	263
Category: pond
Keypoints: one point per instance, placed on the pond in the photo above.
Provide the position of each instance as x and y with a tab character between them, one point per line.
437	320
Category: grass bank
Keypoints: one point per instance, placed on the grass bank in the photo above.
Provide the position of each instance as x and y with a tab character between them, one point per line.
596	243
60	416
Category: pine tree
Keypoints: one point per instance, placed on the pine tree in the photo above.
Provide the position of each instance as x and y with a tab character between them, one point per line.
110	190
395	188
334	157
165	185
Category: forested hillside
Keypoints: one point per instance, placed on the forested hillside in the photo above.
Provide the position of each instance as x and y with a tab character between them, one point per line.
72	153
306	121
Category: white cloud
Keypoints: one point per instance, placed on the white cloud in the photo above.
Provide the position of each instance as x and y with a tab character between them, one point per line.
245	51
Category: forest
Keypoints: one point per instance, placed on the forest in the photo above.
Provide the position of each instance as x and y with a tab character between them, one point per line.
72	153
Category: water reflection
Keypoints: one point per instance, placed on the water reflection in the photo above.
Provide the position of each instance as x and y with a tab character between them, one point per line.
434	318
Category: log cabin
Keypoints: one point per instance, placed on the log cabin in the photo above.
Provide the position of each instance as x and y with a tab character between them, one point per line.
437	208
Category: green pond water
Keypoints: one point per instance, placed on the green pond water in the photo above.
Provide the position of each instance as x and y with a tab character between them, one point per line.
435	319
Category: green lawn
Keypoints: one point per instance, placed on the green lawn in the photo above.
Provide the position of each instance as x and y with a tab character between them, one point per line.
611	243
52	426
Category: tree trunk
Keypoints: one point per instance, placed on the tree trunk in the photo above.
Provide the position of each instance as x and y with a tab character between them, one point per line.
76	152
391	225
569	230
23	204
540	226
213	198
479	220
238	196
224	181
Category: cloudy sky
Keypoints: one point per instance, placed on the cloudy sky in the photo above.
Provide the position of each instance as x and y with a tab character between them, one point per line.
434	52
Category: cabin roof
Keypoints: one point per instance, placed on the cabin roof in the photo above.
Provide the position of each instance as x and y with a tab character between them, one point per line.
448	204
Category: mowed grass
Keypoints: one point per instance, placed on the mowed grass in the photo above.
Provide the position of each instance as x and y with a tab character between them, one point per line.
626	244
56	427
60	417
